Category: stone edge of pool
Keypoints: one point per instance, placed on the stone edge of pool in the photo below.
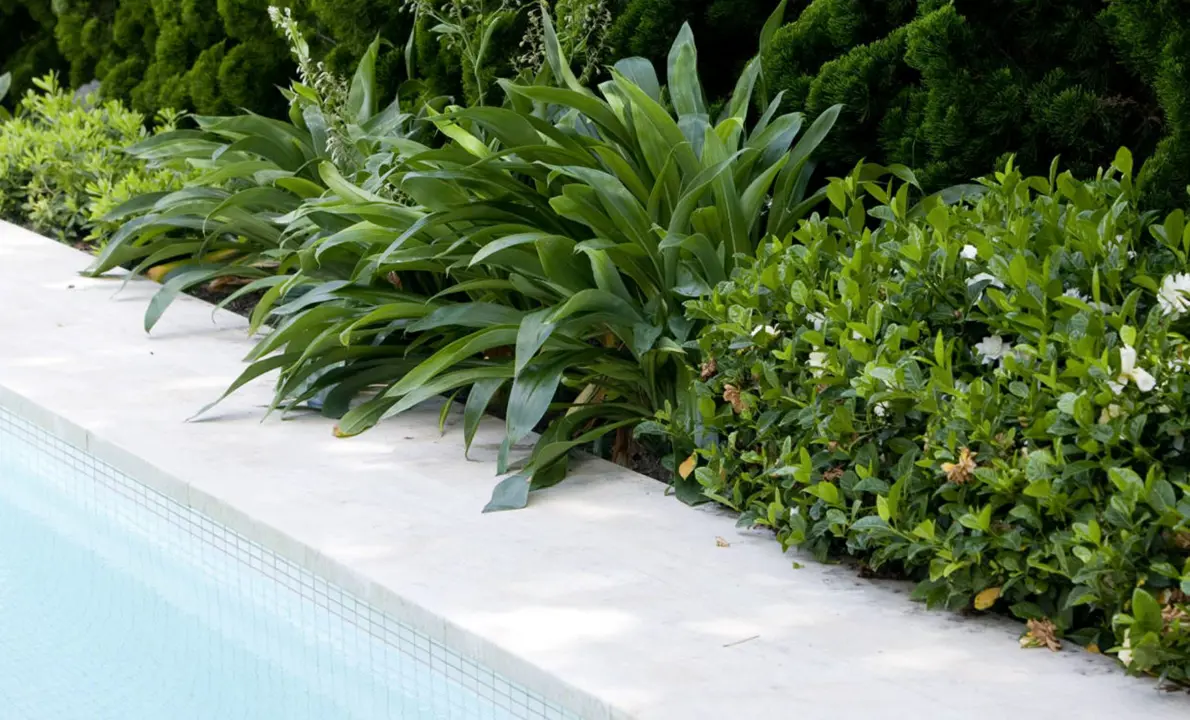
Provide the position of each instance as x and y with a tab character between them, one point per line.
605	595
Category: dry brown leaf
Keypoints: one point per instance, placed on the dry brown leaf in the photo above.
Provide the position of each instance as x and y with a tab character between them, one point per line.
963	470
1173	614
687	467
708	369
1041	633
987	598
721	542
227	281
731	395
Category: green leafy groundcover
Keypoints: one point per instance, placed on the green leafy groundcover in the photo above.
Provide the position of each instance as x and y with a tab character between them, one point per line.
989	397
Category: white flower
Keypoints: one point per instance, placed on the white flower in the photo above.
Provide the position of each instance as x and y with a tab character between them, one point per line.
766	329
1174	295
1129	371
880	409
1074	293
969	252
816	319
985	276
992	348
1109	413
1120	241
817	362
1125	653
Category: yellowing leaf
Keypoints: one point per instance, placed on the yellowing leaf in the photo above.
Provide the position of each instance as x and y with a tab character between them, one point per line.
687	467
157	273
1093	648
987	598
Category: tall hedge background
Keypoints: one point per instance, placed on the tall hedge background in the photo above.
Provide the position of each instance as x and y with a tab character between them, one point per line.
946	86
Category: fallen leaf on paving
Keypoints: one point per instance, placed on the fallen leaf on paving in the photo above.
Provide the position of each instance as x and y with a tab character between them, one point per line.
987	598
1041	633
721	542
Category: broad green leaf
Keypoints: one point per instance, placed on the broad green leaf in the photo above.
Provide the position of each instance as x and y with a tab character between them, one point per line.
511	493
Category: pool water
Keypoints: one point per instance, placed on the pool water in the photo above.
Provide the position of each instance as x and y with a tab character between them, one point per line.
114	604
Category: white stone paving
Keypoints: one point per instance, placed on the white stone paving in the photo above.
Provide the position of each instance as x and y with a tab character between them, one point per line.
604	594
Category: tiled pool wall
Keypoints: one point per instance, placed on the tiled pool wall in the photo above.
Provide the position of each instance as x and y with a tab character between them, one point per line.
385	646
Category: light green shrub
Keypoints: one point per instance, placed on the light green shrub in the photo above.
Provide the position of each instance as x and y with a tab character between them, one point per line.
63	163
989	397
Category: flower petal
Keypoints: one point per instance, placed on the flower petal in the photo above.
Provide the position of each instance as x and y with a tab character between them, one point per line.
1144	380
1127	360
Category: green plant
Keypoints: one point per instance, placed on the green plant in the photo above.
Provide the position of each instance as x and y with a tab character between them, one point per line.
62	162
28	50
236	223
196	54
467	28
558	237
644	28
582	29
987	396
5	84
951	87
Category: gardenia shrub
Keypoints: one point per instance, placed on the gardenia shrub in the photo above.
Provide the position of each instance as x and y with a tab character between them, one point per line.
63	163
988	397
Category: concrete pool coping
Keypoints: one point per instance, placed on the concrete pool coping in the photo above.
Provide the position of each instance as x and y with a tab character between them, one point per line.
605	595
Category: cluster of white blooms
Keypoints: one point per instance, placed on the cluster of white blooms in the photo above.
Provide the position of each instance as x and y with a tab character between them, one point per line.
1174	295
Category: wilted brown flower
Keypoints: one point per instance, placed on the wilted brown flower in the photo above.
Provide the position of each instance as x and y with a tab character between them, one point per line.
1172	613
731	394
963	470
1182	539
708	370
1041	633
833	474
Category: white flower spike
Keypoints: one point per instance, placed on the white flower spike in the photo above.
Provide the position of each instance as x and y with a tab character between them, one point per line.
1174	295
1129	371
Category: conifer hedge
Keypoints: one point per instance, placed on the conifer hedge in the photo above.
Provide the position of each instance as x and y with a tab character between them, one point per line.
949	87
946	86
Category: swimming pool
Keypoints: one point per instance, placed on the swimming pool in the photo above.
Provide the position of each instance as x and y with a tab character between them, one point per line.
119	602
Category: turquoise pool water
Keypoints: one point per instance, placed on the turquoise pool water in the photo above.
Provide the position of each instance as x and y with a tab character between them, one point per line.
116	602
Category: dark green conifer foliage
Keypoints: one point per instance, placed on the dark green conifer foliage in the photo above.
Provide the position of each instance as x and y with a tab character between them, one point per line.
950	87
27	48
